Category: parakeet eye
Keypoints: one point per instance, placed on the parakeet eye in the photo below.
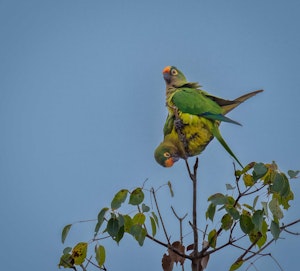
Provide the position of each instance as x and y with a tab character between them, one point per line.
167	155
174	72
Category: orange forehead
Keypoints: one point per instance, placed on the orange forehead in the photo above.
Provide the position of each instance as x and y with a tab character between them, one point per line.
167	69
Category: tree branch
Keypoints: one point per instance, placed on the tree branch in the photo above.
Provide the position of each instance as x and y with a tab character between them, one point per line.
160	217
180	223
169	247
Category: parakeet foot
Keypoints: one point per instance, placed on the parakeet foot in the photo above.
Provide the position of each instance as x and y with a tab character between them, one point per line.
178	124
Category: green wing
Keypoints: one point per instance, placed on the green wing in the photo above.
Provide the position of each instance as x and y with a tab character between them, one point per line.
169	124
196	102
192	101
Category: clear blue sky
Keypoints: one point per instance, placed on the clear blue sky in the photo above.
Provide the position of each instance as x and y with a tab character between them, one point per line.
82	109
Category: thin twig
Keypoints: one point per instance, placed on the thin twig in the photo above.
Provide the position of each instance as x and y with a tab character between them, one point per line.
160	217
290	224
188	169
249	249
99	267
291	232
194	180
204	233
180	223
169	247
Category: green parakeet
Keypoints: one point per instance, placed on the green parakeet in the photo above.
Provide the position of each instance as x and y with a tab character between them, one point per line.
193	118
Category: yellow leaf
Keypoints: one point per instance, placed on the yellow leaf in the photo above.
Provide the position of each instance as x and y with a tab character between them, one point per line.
79	253
248	179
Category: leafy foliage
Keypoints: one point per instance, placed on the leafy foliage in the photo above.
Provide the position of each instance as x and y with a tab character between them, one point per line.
114	224
254	209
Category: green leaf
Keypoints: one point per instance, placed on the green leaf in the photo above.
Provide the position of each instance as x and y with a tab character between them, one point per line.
285	191
275	229
210	213
265	208
119	198
153	226
246	224
139	219
139	233
278	183
227	222
262	240
127	223
255	201
264	228
236	265
155	218
120	234
230	200
248	206
65	232
212	238
218	199
284	201
275	208
259	171
121	220
136	196
145	208
293	173
229	186
66	261
257	219
257	238
67	250
260	237
171	189
100	255
79	253
101	217
113	227
233	212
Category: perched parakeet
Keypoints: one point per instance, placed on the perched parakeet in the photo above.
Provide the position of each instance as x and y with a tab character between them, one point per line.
193	118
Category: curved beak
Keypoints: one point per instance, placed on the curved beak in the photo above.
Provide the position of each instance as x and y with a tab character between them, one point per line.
167	69
166	74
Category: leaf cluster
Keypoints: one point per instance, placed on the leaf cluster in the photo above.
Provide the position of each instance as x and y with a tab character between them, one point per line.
271	194
111	223
254	209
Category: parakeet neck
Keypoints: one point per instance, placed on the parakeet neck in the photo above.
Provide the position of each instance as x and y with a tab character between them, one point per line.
169	95
169	91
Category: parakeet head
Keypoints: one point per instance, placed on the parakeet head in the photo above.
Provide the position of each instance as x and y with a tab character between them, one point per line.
166	154
174	77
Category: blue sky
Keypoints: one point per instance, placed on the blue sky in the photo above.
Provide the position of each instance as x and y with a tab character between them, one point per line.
82	109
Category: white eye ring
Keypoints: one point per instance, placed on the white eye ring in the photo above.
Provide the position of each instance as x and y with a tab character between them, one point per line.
174	72
167	154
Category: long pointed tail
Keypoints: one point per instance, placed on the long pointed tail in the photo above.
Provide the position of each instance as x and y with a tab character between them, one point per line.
239	100
217	134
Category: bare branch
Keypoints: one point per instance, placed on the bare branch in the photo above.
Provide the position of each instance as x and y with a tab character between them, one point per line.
193	177
160	217
180	223
99	267
290	232
249	249
169	247
290	224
